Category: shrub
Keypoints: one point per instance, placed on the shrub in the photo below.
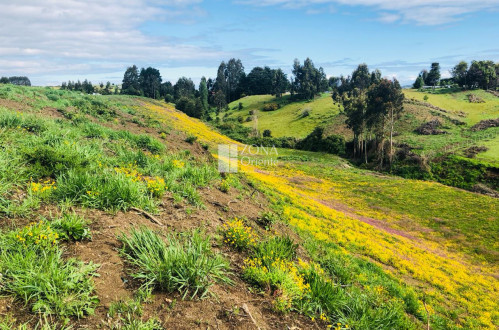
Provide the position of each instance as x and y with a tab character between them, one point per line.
305	113
149	143
270	107
458	171
191	139
186	264
267	133
317	141
240	106
238	235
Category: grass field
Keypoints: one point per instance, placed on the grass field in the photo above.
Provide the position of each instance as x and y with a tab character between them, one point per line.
458	101
289	119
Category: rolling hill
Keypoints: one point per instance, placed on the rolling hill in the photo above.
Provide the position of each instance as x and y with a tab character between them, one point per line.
453	110
122	196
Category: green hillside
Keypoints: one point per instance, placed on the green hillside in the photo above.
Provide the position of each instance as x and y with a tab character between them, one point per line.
113	215
290	118
458	104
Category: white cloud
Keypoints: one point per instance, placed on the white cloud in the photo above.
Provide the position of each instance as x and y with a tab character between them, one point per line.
40	39
423	12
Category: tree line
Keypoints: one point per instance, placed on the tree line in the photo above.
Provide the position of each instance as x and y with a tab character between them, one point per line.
16	80
231	83
478	74
88	88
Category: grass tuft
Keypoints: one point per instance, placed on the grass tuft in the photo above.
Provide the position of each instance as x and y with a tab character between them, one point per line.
184	263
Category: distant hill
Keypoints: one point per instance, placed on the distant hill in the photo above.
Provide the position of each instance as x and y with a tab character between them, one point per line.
293	118
452	109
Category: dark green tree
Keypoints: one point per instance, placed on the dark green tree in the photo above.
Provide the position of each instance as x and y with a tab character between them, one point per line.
308	80
234	75
131	84
384	106
221	82
279	83
184	88
203	94
419	83
460	73
150	82
361	78
434	74
259	81
20	80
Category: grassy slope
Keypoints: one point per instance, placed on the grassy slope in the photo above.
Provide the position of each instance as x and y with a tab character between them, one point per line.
288	120
424	233
100	156
390	241
458	101
460	137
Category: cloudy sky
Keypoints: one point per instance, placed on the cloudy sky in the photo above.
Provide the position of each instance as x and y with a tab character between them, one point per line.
55	40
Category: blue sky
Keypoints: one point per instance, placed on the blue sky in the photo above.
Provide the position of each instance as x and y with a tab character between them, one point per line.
57	40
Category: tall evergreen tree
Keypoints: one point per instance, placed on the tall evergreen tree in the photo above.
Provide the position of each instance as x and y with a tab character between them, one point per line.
220	82
279	83
384	106
434	74
234	75
131	84
203	94
150	82
184	88
308	80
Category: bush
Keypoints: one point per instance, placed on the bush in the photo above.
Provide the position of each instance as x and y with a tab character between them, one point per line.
458	171
191	139
186	264
267	133
50	161
317	141
270	107
305	113
149	143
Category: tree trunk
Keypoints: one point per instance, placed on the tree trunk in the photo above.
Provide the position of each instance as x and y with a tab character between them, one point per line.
391	137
